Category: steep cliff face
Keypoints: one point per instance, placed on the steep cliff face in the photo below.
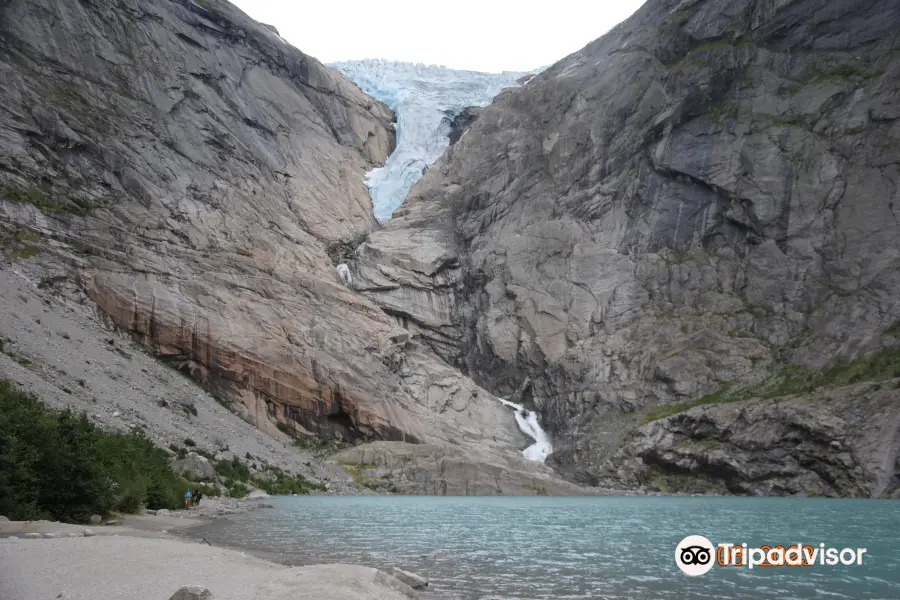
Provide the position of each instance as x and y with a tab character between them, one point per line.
699	208
192	174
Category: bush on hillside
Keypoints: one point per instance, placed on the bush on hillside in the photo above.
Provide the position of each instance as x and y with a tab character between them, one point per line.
57	465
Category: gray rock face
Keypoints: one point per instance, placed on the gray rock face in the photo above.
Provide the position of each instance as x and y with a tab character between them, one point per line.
833	443
194	467
704	195
462	120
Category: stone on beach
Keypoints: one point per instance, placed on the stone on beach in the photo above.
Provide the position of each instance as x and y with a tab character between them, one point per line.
192	592
88	532
414	581
3	519
95	519
32	536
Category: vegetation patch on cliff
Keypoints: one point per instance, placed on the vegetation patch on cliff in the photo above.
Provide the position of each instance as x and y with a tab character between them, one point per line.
43	200
238	478
19	243
877	366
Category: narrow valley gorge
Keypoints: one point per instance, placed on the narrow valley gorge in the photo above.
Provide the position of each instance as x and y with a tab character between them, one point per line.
679	247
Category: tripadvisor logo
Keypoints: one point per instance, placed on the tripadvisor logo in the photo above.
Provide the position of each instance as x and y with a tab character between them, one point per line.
696	555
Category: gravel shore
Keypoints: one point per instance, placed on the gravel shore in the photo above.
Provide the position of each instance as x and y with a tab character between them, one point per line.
150	556
135	568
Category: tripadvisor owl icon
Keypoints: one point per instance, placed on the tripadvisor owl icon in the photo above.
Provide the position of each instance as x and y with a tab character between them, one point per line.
695	555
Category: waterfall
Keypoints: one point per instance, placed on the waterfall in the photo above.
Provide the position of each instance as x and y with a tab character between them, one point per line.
528	424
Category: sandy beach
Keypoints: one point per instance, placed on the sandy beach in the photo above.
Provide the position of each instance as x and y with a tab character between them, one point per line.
147	557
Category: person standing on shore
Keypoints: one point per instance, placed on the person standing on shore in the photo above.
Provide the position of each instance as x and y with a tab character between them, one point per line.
188	496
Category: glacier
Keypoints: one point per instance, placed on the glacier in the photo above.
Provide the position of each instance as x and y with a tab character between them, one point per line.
425	99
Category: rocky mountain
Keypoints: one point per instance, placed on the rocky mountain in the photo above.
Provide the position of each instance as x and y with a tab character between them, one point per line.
677	245
184	171
680	245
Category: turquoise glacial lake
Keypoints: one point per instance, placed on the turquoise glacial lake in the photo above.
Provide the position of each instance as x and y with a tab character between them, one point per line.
506	548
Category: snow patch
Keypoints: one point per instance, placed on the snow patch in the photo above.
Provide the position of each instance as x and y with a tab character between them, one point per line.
527	421
343	272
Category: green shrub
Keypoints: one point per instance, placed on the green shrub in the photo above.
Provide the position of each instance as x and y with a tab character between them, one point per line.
189	442
58	465
233	469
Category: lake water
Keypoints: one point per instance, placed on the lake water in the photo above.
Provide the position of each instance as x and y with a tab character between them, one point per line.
504	548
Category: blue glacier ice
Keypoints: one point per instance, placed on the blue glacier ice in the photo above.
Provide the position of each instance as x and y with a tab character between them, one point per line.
425	99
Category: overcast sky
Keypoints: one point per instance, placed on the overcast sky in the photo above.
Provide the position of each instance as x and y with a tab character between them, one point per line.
479	35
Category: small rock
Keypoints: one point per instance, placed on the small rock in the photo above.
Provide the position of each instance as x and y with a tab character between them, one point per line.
112	522
88	532
12	537
95	519
72	535
116	414
50	535
150	511
163	512
32	536
411	579
192	592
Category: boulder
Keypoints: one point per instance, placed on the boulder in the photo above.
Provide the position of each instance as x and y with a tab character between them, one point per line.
225	456
194	467
95	520
192	592
3	519
414	581
88	532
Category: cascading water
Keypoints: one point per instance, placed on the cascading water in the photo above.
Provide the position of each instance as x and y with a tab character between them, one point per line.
425	99
528	424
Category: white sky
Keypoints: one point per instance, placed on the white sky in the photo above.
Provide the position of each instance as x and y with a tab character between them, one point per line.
478	35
